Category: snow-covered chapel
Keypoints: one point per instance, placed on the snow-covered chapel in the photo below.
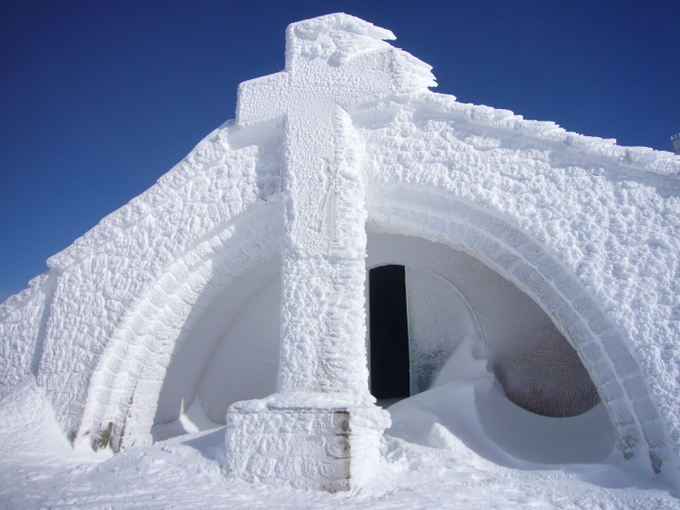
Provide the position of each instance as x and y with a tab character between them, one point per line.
354	236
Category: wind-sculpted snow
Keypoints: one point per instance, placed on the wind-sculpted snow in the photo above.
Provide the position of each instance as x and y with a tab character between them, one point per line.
424	465
346	138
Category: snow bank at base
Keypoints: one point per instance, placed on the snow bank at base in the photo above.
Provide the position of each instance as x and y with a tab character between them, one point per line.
38	469
468	405
30	428
498	430
34	453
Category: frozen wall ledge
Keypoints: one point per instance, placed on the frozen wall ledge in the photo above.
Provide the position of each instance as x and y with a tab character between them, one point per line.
320	447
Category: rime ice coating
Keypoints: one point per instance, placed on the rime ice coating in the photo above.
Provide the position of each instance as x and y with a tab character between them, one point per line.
590	230
332	63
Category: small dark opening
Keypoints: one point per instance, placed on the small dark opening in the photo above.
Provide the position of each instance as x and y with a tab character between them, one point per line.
389	333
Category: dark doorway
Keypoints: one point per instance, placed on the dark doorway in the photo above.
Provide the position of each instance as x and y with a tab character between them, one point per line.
390	365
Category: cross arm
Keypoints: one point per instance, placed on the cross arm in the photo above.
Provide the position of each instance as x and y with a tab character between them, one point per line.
262	99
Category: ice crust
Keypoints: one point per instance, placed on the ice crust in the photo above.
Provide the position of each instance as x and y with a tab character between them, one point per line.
588	229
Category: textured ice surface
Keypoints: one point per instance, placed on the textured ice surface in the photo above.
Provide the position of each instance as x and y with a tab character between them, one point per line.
306	441
587	229
332	62
593	239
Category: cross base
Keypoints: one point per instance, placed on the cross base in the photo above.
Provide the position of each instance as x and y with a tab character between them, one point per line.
321	447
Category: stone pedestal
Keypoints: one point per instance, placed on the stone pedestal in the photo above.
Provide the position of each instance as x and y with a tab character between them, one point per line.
314	446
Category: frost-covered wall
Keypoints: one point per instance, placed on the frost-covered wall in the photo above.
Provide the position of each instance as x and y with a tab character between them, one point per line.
23	318
114	303
587	228
123	328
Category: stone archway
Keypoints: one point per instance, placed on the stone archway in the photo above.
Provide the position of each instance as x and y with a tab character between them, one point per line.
515	256
125	386
499	334
121	409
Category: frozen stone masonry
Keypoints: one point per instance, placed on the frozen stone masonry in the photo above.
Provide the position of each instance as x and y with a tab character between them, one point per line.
332	62
158	236
23	318
561	309
131	401
612	392
322	449
589	229
440	164
504	123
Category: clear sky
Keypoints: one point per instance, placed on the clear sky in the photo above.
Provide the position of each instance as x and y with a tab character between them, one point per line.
99	98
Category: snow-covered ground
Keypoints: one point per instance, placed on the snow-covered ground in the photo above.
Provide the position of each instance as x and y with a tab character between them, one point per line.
434	457
578	223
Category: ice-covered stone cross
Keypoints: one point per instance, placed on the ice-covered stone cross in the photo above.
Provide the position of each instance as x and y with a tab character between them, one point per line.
332	63
320	430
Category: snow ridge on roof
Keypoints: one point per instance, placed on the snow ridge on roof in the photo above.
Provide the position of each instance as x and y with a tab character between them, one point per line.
639	158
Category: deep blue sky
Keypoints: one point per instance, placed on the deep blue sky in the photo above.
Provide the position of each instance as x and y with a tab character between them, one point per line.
100	98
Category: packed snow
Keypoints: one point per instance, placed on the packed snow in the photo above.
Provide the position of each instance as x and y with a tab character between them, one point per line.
428	462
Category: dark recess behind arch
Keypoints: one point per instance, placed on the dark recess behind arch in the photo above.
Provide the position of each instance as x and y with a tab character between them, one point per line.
389	340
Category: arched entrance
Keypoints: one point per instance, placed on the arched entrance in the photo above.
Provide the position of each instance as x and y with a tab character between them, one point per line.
459	313
168	321
417	320
231	354
537	271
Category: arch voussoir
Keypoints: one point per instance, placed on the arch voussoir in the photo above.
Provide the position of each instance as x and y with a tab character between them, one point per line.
534	269
127	381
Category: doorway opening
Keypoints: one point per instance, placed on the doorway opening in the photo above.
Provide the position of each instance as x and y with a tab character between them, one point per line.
389	339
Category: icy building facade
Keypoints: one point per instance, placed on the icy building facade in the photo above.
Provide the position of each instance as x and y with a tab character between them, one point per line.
236	286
